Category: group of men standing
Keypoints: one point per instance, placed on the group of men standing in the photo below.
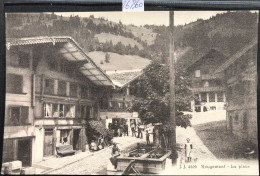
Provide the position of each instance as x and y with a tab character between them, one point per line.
137	129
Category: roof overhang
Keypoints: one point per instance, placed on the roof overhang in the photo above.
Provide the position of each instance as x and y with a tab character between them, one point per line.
71	51
126	84
234	57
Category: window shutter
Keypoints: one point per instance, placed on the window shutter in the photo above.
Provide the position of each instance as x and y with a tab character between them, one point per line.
19	84
9	83
14	83
24	114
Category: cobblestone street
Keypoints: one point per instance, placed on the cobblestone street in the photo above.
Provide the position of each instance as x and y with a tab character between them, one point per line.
96	163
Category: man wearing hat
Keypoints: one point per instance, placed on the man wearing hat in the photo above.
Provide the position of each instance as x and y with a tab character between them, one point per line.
115	153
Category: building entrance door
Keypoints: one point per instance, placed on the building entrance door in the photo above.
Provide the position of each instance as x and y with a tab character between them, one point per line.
48	143
76	137
24	151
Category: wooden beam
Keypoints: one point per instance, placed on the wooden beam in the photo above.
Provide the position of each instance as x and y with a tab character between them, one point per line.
88	69
96	75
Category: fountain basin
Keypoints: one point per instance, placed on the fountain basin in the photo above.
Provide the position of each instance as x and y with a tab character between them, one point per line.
152	162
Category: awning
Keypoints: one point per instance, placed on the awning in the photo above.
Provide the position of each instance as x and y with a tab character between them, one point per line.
97	126
71	51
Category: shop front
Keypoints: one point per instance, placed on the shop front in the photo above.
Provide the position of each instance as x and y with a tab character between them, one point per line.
48	138
116	120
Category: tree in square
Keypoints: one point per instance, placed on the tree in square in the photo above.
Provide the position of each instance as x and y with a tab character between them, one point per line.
152	90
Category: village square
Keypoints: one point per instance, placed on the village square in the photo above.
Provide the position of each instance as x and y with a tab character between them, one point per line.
88	95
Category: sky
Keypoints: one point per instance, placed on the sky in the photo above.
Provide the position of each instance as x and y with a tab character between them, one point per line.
151	18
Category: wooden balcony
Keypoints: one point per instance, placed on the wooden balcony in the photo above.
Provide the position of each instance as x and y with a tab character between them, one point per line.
211	77
60	121
121	96
104	115
207	89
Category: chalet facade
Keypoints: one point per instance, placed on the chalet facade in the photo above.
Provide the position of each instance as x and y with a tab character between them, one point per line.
208	89
52	90
240	72
117	103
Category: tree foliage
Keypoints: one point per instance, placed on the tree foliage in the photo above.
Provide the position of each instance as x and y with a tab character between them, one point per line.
153	92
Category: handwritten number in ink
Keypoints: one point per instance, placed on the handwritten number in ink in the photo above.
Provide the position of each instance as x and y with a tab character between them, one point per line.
132	4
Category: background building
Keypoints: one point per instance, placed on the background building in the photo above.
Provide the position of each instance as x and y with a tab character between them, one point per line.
241	85
208	89
116	105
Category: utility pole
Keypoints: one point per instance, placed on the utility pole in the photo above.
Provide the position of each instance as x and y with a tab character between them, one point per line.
172	92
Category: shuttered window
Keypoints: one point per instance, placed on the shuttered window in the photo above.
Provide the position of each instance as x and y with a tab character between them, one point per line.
18	115
62	88
24	114
84	92
19	59
73	89
14	83
49	86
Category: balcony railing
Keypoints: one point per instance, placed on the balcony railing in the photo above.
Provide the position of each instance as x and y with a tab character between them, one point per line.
210	77
114	110
207	89
121	96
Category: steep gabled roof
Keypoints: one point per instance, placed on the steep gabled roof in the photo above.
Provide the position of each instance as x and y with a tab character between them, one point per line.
121	79
71	51
236	56
212	57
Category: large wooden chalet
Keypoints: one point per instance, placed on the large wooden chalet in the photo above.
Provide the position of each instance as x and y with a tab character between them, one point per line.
52	90
240	72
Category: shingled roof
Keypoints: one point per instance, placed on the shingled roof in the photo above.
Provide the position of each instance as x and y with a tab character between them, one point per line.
121	79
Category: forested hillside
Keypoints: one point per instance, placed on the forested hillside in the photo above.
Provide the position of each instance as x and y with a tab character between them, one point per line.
226	32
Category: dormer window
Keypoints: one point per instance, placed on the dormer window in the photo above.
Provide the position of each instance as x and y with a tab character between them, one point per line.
197	73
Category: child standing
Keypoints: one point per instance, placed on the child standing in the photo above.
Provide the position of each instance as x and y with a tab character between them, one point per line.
188	149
